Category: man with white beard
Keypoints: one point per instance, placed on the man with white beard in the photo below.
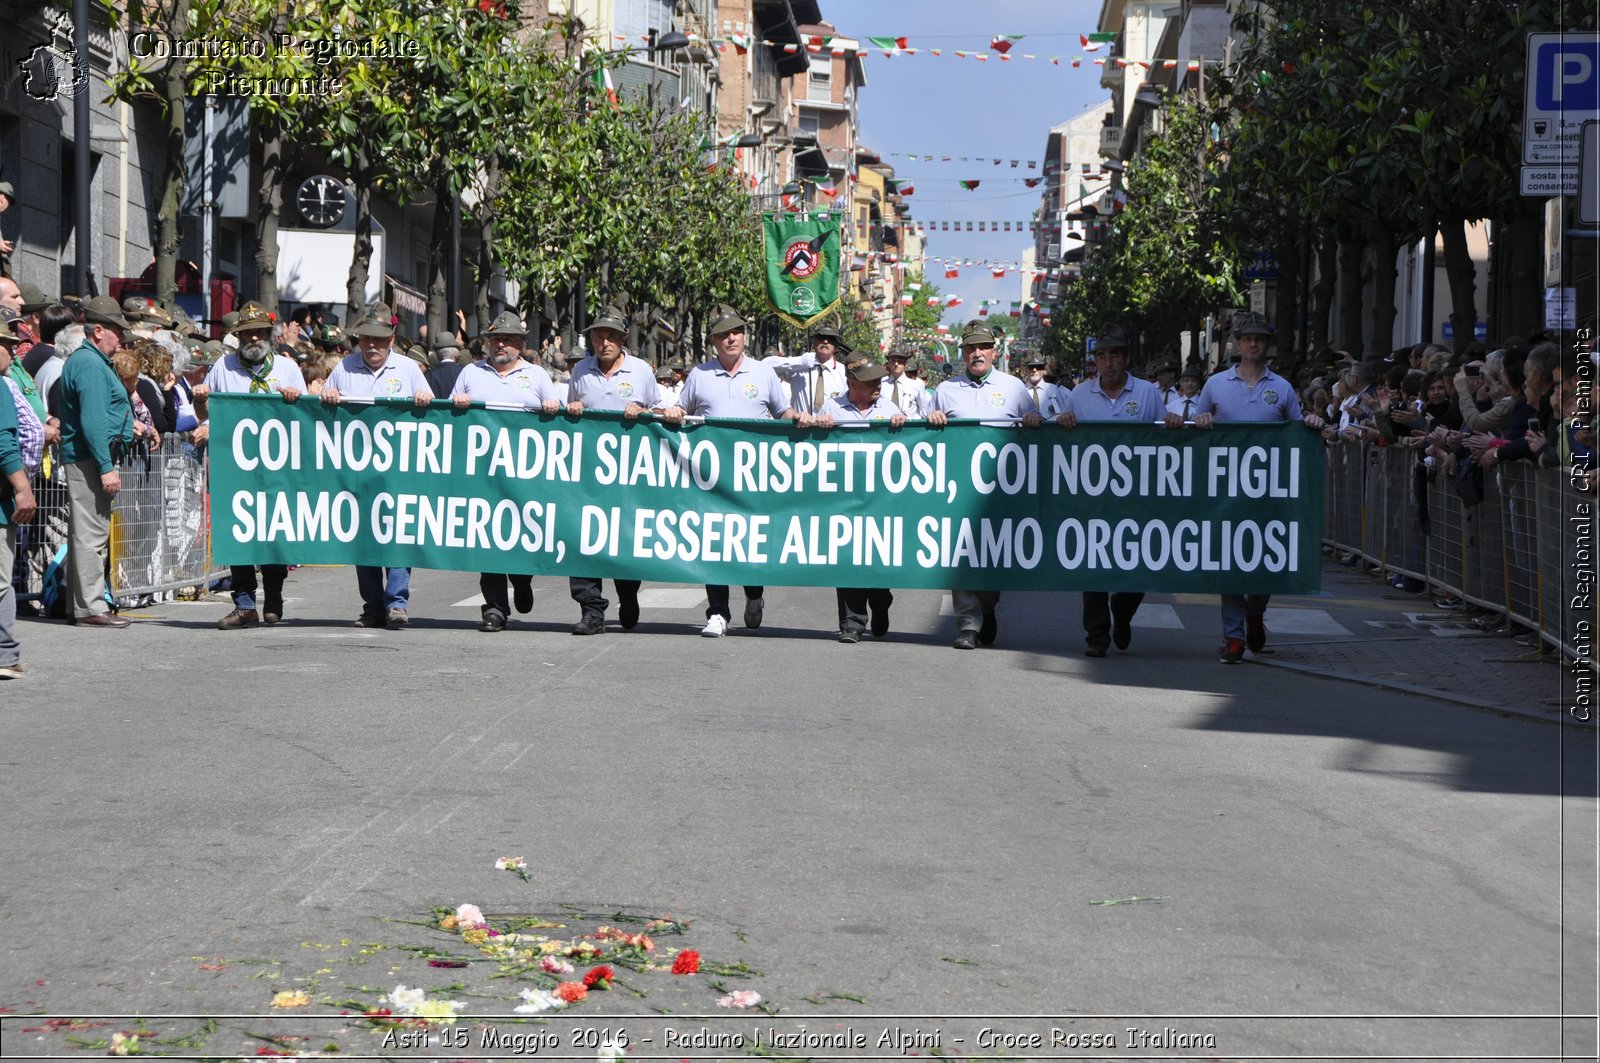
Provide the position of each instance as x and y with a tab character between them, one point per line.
254	369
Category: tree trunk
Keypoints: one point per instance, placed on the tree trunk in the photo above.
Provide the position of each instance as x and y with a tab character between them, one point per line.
1286	313
1384	275
355	294
482	309
1462	277
1516	280
169	232
439	260
269	207
1350	297
1322	290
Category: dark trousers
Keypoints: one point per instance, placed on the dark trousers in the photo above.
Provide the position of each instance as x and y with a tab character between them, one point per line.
717	599
587	593
854	603
496	599
1097	609
242	583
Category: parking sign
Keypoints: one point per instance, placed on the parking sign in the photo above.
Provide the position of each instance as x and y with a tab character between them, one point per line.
1561	93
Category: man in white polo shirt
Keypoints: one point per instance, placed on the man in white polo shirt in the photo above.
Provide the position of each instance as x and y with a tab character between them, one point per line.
375	369
981	393
609	379
504	378
734	386
1248	392
1113	395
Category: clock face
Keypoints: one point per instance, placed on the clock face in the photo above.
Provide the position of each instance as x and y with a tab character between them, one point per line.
321	201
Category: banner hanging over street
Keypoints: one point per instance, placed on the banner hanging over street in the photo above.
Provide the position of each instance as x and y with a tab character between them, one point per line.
1237	508
803	265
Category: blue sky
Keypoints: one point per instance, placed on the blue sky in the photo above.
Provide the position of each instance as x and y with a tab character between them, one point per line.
920	104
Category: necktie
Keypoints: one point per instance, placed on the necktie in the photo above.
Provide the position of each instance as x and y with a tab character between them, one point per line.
817	397
894	394
1187	403
1036	401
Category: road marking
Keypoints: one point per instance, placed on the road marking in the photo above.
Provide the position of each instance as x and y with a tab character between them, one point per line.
1303	622
1158	616
1445	629
672	597
475	602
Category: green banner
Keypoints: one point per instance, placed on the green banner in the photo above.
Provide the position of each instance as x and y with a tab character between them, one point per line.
1237	508
803	257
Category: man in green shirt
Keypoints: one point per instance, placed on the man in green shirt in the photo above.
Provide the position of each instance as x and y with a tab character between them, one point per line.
96	427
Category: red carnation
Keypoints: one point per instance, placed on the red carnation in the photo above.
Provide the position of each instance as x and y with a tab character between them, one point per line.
599	978
570	992
687	962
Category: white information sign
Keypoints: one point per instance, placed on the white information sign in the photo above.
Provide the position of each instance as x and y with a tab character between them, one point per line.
1562	92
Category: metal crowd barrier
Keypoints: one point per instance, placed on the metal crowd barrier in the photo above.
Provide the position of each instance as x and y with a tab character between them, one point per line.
160	525
1518	552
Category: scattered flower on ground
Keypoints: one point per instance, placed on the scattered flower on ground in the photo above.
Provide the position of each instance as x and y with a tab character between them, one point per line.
740	998
470	916
514	864
686	962
571	992
125	1045
551	965
290	998
599	978
415	1003
537	1000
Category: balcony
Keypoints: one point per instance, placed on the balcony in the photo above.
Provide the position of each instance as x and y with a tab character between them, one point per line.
1110	141
1111	73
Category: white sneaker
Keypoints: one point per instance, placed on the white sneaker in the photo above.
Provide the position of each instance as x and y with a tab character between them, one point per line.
11	671
752	612
716	626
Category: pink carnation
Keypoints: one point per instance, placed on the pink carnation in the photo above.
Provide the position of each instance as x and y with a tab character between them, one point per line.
469	917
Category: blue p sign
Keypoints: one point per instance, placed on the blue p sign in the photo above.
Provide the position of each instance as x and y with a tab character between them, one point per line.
1567	76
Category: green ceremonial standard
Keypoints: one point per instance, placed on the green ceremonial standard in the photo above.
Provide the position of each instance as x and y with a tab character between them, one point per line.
1101	507
803	257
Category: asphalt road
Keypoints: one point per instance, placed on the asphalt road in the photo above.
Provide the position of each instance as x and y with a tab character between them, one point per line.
889	836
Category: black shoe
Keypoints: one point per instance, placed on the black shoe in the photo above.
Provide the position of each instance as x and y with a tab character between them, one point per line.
628	612
237	619
989	630
967	640
371	620
492	621
522	597
1255	633
590	625
1121	628
880	623
1094	651
850	634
